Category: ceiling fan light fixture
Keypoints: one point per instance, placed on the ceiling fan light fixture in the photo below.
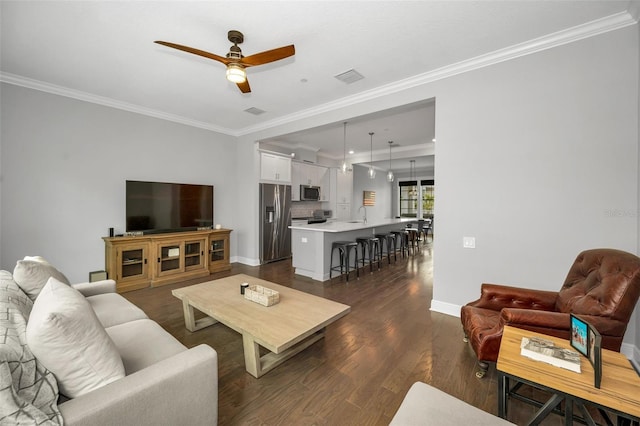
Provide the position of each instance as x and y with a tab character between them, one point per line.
236	73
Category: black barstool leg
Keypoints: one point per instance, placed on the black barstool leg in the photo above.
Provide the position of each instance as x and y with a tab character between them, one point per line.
395	250
356	263
331	263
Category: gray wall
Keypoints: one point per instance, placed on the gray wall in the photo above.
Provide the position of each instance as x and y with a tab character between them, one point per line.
538	159
64	165
362	182
637	322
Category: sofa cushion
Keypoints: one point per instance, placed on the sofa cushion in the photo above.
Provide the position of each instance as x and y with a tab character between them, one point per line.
142	343
32	273
66	336
113	309
28	391
425	405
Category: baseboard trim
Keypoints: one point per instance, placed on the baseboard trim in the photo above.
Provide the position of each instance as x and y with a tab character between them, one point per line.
245	261
445	308
631	352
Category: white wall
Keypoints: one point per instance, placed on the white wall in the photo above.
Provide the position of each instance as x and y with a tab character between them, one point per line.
64	165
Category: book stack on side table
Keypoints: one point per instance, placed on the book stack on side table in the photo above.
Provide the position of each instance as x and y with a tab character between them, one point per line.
546	351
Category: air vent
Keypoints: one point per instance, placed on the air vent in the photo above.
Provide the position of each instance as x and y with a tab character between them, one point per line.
254	111
350	76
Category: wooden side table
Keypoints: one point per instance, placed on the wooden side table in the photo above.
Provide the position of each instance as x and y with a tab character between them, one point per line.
619	392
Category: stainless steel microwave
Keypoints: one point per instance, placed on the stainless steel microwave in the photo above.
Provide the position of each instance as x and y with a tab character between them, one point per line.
309	193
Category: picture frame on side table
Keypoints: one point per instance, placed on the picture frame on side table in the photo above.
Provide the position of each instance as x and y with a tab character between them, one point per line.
588	341
595	355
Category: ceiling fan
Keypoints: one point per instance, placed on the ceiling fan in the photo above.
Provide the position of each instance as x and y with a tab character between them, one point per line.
235	61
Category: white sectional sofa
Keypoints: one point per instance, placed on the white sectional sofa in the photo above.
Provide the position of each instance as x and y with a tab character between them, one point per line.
83	355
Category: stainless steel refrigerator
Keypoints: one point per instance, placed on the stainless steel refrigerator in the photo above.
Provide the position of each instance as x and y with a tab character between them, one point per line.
275	219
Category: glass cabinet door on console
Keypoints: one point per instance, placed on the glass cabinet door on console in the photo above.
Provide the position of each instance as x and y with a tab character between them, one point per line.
126	262
219	252
194	254
170	258
132	263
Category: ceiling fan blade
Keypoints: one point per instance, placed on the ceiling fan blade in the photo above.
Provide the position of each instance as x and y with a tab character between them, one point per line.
244	87
268	56
195	51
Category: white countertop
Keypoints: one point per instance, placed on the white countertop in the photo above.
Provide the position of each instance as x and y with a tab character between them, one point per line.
335	226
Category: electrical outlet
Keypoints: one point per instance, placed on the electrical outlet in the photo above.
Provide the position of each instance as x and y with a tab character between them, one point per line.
469	242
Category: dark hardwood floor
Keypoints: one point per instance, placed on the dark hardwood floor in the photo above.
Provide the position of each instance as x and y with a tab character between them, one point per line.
360	372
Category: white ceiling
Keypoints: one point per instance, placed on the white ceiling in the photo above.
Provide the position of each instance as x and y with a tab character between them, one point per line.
103	51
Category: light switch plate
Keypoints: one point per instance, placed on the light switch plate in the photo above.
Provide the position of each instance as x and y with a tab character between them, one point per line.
469	242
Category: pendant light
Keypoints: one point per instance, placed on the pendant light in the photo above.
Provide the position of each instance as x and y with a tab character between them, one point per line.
390	176
372	172
412	165
344	154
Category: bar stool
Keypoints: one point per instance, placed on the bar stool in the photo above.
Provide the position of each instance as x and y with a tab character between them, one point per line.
428	227
387	240
423	229
412	239
344	252
373	245
403	237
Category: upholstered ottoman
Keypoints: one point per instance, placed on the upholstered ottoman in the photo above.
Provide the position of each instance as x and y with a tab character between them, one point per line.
426	405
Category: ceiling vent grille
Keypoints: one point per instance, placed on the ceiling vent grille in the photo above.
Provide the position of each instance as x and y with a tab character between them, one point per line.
254	111
350	76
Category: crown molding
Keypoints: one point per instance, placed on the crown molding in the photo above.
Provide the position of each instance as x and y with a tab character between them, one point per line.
634	9
29	83
570	35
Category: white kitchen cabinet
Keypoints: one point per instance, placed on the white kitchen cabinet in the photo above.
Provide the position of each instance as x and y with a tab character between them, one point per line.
325	185
296	180
341	185
275	168
343	212
309	174
344	187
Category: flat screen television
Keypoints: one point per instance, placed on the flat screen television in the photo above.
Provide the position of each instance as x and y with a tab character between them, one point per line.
155	207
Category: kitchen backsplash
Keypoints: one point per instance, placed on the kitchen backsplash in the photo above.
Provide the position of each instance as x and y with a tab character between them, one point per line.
304	208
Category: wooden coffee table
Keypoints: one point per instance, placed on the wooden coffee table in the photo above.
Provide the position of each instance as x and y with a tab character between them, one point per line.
284	329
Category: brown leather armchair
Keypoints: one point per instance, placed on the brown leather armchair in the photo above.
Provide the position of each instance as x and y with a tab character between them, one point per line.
602	286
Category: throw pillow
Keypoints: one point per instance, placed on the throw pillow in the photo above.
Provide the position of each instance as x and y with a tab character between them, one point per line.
28	391
32	273
65	335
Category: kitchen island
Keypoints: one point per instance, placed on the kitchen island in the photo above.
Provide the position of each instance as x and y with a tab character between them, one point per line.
311	243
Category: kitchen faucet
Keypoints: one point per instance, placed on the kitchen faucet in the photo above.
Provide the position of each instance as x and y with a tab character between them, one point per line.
365	212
